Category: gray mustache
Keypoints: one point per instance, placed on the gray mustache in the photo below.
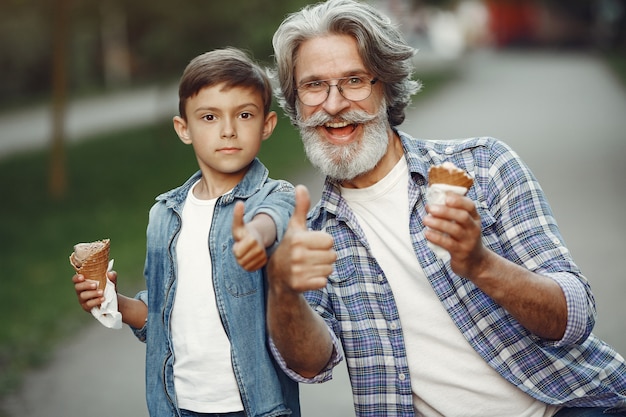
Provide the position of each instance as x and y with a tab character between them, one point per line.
321	117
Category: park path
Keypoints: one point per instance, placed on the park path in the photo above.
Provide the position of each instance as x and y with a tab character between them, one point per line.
564	112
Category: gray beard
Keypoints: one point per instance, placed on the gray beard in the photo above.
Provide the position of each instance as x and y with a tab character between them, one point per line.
346	162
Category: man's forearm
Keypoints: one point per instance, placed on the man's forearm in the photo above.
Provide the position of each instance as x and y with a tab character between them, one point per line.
299	334
537	302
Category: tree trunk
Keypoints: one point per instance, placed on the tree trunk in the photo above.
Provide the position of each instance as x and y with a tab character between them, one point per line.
57	185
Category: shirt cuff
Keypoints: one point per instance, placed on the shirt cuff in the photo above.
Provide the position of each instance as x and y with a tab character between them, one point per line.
325	374
141	333
580	311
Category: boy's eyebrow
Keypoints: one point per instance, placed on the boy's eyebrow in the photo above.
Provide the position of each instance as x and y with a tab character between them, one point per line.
214	108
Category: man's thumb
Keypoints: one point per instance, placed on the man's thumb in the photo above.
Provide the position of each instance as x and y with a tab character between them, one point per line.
303	204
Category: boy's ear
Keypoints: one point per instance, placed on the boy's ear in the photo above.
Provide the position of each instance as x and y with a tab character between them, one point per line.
270	123
180	126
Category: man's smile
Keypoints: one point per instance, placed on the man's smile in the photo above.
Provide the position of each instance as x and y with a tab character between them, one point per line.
340	129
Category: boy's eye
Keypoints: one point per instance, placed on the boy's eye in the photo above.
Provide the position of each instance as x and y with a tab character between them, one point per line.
246	115
208	117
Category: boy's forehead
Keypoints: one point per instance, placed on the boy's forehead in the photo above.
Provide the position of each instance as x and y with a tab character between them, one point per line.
226	88
222	94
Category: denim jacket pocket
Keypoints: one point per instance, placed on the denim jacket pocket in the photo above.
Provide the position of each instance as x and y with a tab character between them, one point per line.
237	282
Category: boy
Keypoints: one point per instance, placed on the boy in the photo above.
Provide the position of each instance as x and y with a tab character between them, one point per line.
202	316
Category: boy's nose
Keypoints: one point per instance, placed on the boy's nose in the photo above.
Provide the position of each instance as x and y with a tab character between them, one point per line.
228	131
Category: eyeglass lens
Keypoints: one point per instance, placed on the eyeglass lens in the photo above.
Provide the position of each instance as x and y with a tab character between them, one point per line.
352	88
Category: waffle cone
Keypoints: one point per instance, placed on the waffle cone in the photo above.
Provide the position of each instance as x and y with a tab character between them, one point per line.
95	265
447	173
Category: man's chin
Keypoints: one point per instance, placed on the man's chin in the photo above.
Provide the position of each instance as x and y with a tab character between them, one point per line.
340	170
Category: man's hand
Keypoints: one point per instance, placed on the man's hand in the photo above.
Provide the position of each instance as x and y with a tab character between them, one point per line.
456	227
248	248
304	259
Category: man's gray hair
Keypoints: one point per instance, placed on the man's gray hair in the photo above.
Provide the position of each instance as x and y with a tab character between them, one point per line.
382	48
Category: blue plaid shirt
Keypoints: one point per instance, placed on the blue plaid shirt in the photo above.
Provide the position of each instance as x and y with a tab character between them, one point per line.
517	223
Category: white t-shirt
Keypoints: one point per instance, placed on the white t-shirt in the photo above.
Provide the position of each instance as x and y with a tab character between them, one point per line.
203	374
448	377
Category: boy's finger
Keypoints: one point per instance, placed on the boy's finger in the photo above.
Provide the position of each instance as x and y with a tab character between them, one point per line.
238	222
112	276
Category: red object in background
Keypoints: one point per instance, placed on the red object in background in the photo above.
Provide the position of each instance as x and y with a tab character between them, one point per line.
512	22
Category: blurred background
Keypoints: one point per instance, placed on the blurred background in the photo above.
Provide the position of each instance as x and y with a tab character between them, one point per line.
87	47
88	89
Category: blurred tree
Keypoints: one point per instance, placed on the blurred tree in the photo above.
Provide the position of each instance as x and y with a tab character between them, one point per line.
57	185
116	44
121	43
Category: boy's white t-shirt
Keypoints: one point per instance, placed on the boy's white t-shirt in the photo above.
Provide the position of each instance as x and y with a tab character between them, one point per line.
203	374
448	377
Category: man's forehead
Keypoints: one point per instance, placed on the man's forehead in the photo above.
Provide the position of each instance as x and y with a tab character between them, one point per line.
327	57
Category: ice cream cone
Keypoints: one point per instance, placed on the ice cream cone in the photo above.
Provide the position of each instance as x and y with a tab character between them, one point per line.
92	260
448	173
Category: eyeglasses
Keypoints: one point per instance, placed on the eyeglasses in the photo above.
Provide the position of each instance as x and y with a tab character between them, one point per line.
354	88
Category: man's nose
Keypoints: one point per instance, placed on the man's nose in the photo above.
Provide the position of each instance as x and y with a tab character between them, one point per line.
335	102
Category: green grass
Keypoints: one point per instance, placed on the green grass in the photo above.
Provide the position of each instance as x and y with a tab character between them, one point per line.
113	180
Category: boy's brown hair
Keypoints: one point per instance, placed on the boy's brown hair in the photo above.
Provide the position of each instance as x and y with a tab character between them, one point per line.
230	66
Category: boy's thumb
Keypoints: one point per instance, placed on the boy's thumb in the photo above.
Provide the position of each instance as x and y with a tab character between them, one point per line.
238	212
303	204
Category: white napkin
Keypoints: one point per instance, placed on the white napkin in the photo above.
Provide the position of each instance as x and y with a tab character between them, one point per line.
107	313
436	194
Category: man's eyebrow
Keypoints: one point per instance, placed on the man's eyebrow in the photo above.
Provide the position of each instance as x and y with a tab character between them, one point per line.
346	74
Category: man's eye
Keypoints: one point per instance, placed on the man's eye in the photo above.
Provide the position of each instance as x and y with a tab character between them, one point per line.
354	81
313	85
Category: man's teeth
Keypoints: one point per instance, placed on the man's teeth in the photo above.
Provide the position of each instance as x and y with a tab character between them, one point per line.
337	125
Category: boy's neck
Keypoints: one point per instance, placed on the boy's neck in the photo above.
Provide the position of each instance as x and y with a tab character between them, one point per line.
208	190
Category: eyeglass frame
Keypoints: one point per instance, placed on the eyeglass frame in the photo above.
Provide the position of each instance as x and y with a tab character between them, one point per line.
371	82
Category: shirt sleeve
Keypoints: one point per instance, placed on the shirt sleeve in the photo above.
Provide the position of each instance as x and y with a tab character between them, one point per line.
326	373
525	231
141	333
279	204
577	305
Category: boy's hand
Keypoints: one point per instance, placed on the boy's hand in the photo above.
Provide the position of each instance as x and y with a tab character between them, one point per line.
248	248
87	293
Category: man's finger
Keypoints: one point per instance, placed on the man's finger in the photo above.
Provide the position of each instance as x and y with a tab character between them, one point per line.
303	204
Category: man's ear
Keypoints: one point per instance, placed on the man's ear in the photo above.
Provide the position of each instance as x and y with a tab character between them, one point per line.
270	123
180	126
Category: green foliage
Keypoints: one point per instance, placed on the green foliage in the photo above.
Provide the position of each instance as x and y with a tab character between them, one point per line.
161	36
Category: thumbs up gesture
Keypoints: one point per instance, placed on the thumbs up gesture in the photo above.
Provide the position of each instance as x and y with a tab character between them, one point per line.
304	258
249	248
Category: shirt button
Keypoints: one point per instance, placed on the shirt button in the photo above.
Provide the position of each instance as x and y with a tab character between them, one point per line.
380	278
556	241
393	326
449	150
401	377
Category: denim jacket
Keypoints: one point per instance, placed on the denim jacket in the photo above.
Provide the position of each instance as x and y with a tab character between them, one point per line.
265	390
